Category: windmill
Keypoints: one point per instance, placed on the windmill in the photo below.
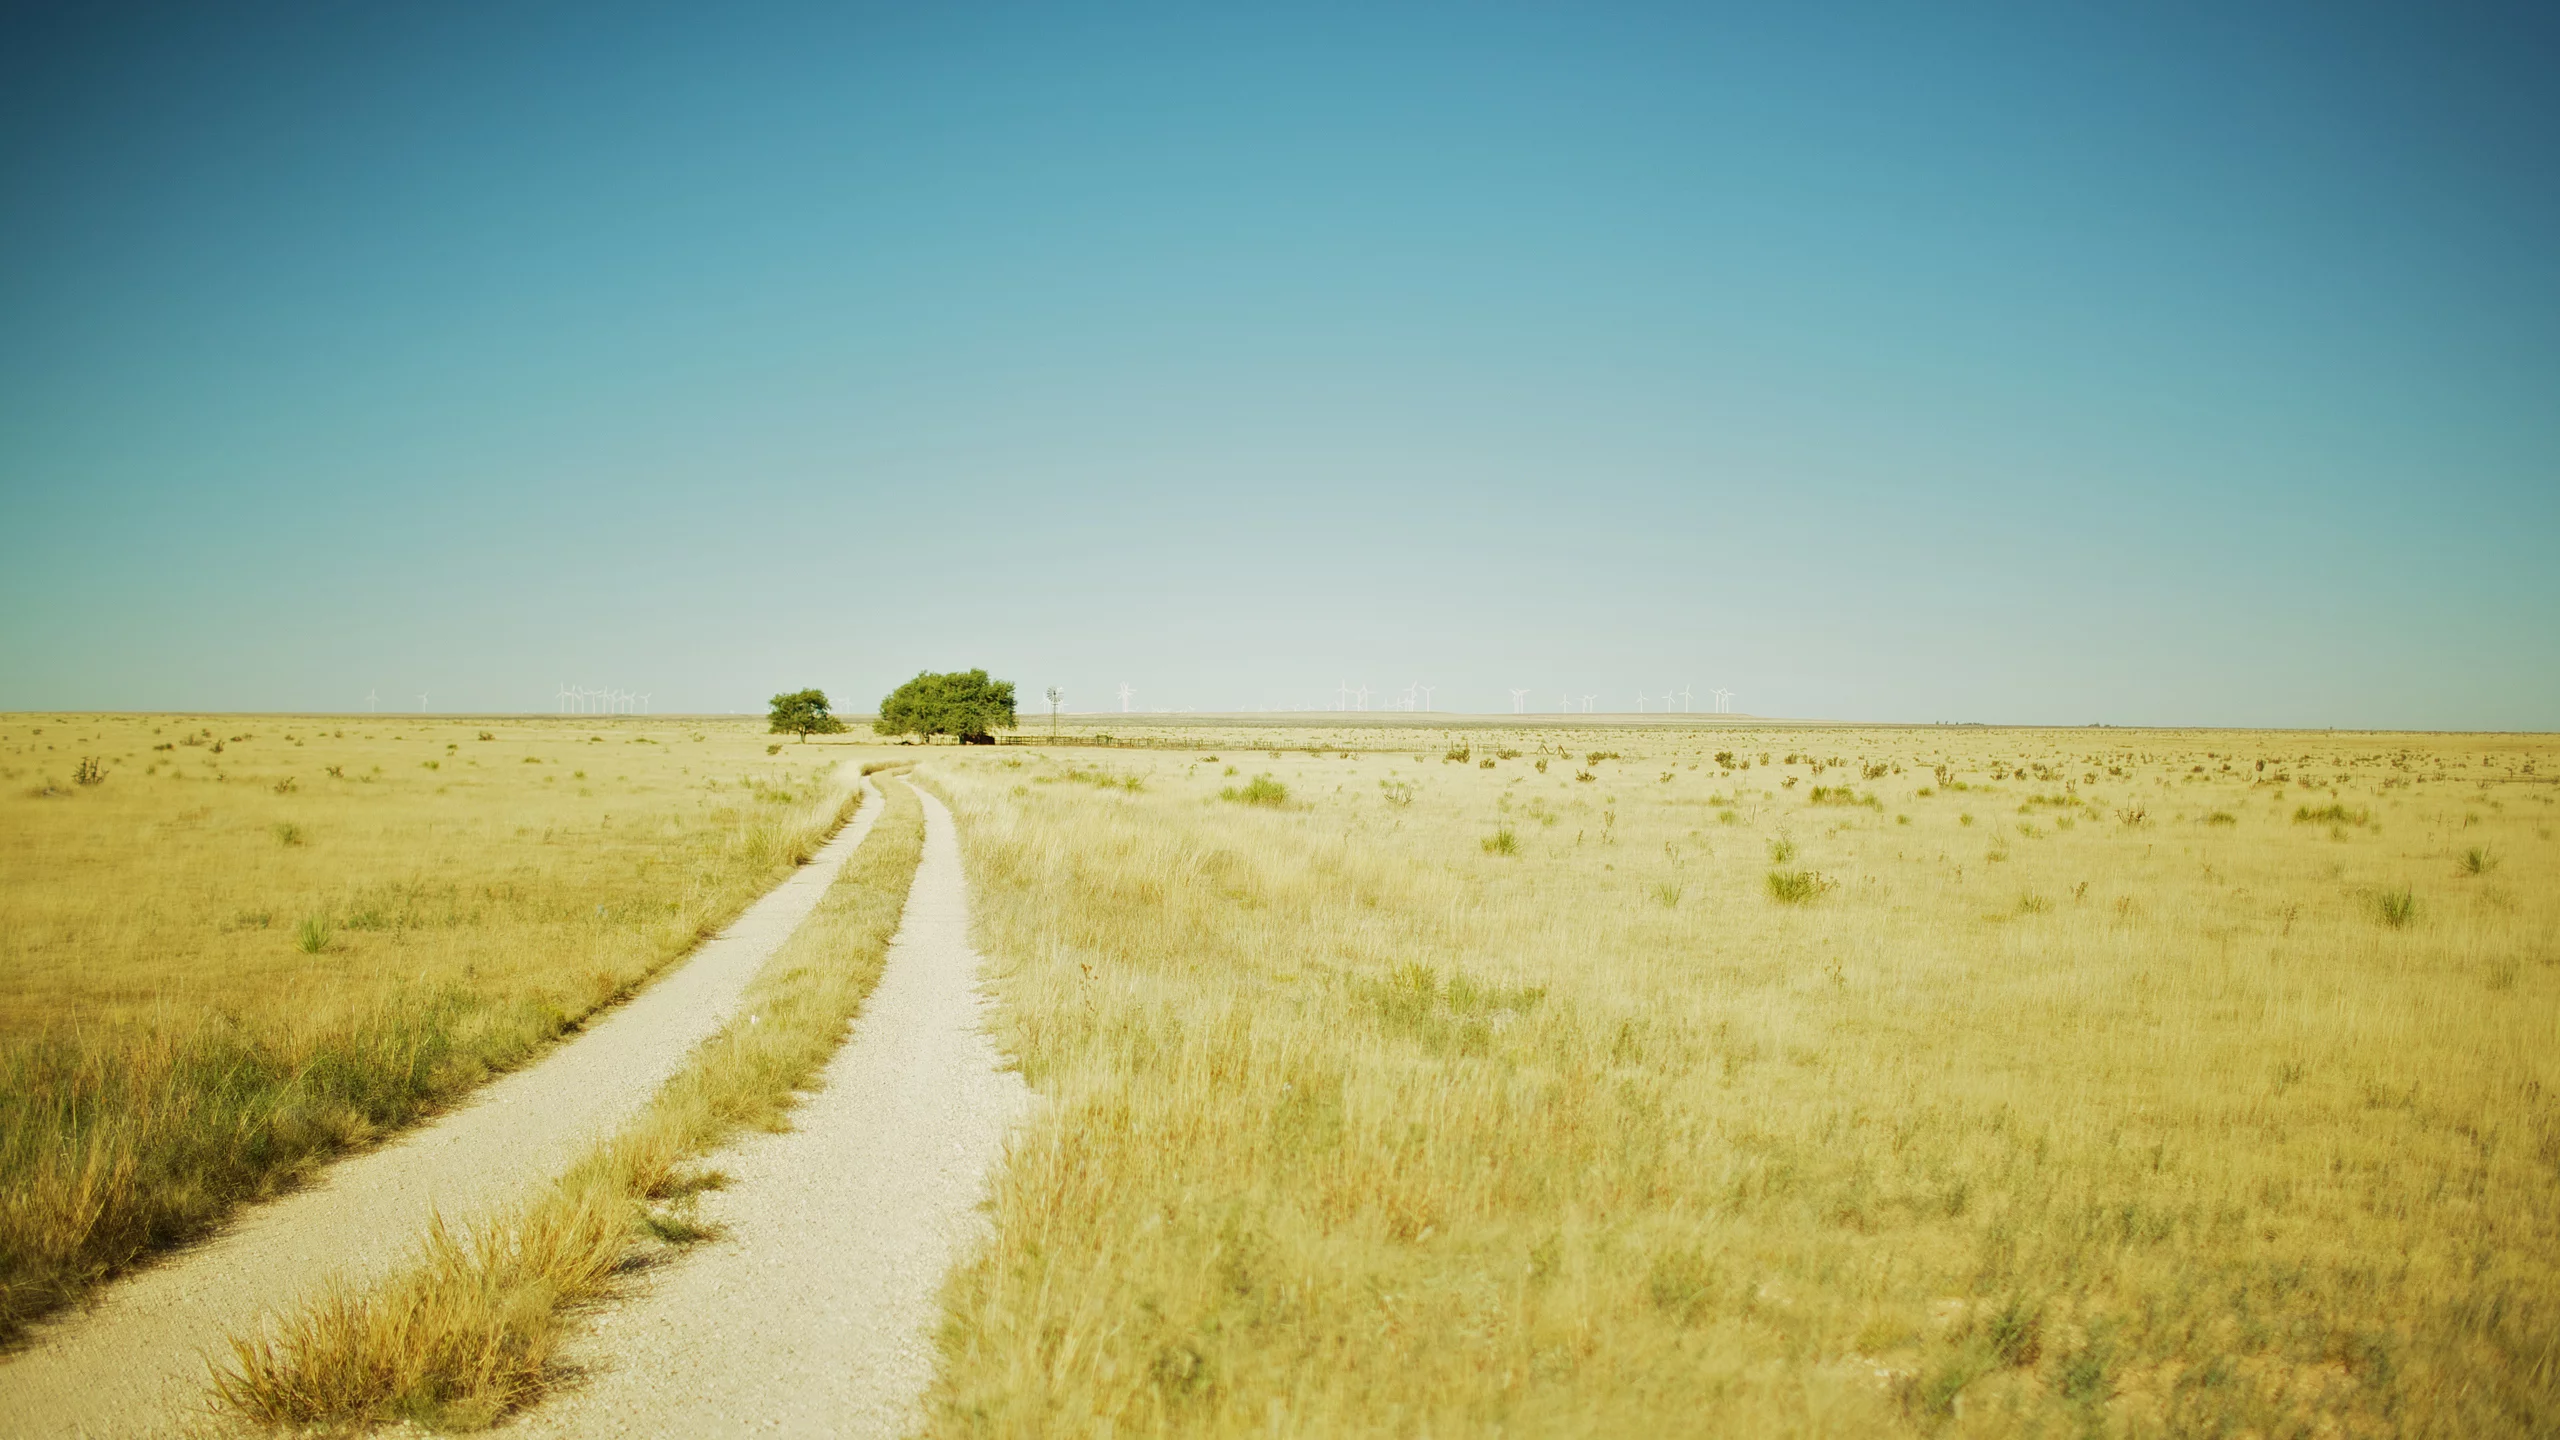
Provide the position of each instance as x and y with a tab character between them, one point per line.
1426	695
1565	703
1361	694
1668	696
1684	699
1342	695
1125	693
371	699
422	702
1519	702
644	702
1639	699
1586	703
1055	695
1410	691
1724	701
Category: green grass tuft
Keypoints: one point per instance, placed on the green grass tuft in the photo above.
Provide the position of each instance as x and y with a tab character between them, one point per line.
1261	790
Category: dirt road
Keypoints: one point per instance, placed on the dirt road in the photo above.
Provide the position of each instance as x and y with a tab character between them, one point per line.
134	1362
815	1313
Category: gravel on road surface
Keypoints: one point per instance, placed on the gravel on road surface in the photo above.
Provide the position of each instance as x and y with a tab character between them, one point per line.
134	1362
814	1312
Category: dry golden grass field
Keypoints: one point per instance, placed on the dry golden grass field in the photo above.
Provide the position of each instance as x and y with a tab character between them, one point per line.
1587	1082
256	942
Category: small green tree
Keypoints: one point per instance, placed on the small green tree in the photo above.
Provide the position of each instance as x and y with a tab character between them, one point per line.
964	703
804	713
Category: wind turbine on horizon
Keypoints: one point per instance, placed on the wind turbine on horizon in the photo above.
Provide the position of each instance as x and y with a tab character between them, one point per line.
1519	702
372	698
1125	693
422	702
1426	695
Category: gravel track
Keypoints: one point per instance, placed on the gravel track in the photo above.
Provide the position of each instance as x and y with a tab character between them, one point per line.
134	1361
814	1313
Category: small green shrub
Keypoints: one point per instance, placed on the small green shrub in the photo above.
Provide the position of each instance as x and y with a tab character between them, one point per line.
2017	1335
2478	860
2329	815
286	832
2396	908
1683	1286
1797	887
1261	790
1502	842
2084	1379
311	934
1843	795
1781	850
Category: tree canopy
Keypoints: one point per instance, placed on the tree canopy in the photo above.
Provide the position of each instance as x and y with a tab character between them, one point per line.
964	703
804	713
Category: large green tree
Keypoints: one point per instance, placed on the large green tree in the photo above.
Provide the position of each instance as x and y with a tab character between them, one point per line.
964	703
804	713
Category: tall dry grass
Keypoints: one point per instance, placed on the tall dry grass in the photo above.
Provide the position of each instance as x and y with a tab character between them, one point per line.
2079	1090
472	1330
260	941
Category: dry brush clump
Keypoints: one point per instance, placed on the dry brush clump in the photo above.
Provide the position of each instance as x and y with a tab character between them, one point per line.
211	983
472	1329
2146	1129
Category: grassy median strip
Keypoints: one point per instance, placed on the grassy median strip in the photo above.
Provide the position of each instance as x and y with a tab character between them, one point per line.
470	1332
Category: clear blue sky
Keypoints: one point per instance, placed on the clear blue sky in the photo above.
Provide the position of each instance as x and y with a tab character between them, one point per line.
2040	363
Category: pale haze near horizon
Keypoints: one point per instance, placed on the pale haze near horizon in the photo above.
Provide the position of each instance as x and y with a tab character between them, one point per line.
2016	367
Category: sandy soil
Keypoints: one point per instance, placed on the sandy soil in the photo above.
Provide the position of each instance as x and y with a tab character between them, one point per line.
134	1361
815	1313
